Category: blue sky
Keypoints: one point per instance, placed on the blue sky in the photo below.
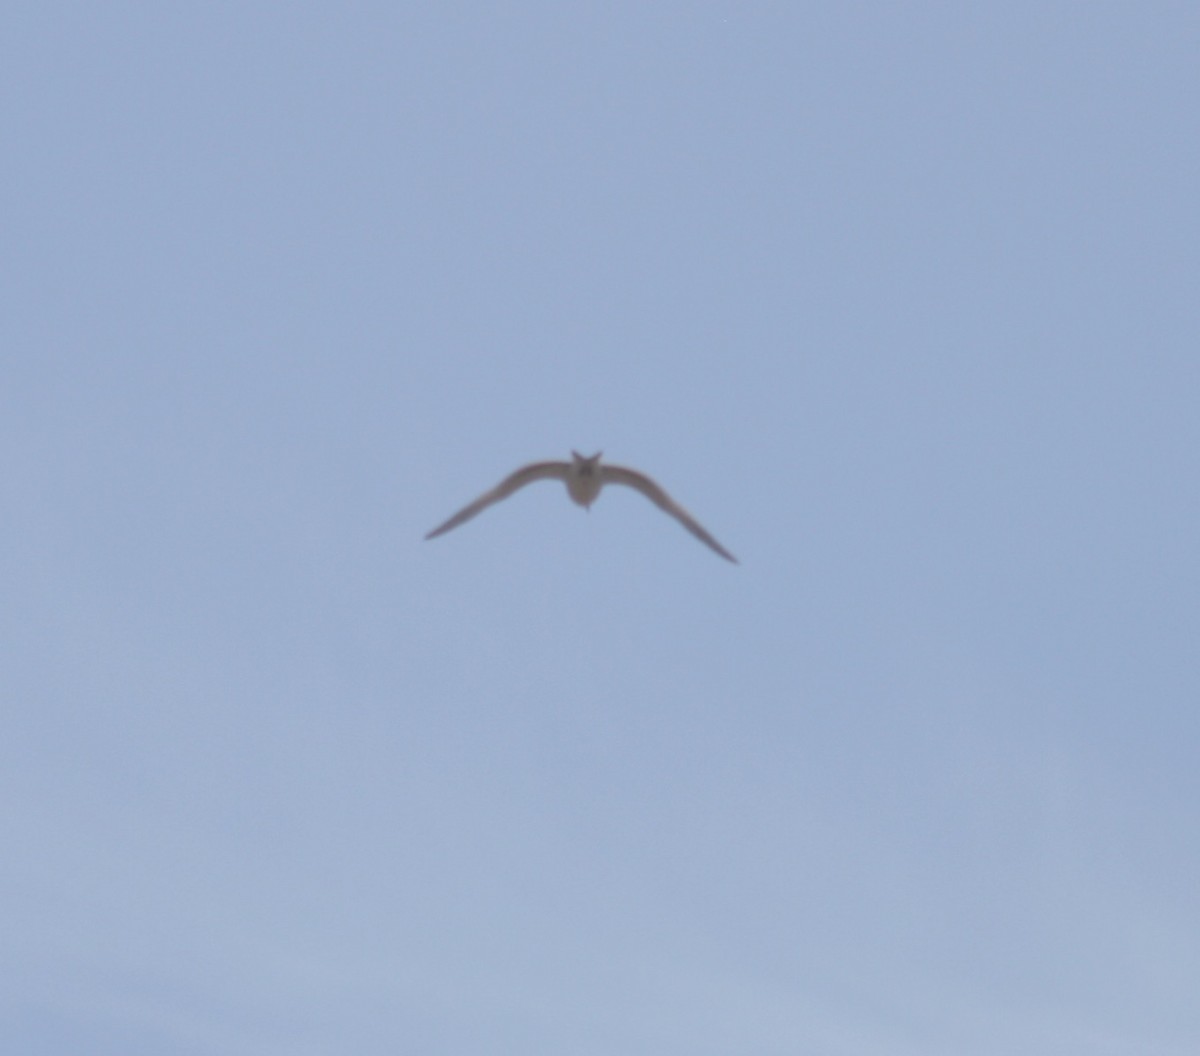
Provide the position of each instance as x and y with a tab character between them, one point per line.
899	300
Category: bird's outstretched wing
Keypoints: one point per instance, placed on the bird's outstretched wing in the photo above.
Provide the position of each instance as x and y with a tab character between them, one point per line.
524	475
631	477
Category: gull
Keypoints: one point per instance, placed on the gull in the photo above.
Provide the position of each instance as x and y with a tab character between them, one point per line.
584	477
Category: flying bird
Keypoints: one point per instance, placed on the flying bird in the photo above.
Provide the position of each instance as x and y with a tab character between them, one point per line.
584	477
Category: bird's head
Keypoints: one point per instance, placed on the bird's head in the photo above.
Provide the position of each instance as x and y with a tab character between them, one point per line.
586	466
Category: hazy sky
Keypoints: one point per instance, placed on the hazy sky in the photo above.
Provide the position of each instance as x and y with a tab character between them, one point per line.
901	300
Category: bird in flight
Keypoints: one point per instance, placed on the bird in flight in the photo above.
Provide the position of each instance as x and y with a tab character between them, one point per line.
584	477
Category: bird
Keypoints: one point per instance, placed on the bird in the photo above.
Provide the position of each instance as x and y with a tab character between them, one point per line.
584	477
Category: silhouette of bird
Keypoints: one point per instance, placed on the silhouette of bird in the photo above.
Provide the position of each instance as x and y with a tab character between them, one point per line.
584	477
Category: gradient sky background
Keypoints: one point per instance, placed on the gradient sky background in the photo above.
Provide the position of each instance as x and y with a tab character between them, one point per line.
901	300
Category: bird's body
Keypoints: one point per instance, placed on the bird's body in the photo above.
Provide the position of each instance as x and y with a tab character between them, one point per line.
584	478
